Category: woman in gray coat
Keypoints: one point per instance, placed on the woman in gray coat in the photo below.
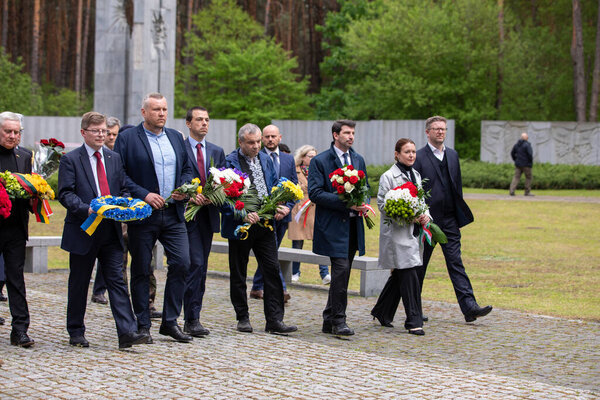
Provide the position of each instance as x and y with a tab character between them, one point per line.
399	248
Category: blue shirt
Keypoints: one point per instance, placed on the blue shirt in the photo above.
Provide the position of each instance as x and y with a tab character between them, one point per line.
165	161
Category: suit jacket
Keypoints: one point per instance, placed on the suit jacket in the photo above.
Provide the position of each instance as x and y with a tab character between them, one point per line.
228	222
428	166
20	207
77	188
332	217
215	156
287	169
134	148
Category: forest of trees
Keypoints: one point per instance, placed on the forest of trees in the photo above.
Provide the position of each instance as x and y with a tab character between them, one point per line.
469	60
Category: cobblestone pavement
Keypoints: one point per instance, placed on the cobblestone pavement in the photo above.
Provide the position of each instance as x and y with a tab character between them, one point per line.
506	355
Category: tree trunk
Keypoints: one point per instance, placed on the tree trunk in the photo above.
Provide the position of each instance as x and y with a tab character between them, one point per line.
500	57
4	24
78	47
596	74
267	10
84	50
35	43
578	63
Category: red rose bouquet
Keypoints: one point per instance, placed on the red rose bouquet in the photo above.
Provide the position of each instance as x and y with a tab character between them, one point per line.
404	204
351	186
47	157
5	204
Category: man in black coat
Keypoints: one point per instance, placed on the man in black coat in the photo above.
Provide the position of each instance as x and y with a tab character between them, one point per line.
14	230
522	155
440	166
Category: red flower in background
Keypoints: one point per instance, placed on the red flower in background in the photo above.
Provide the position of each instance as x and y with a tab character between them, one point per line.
44	142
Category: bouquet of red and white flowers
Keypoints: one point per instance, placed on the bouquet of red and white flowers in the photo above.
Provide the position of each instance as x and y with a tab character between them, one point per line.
404	204
223	186
351	186
47	157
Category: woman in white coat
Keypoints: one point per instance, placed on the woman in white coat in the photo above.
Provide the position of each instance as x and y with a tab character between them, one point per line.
399	249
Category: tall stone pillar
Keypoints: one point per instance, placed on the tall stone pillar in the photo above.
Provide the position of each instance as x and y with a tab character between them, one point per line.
135	55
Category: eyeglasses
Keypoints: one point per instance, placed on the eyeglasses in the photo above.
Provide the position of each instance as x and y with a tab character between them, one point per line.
438	129
97	131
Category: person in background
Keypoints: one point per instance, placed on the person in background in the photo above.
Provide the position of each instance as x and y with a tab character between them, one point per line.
522	155
301	228
399	249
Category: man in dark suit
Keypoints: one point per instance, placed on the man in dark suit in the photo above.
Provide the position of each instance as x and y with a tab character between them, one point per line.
285	166
261	240
339	230
88	172
440	166
202	155
156	161
14	230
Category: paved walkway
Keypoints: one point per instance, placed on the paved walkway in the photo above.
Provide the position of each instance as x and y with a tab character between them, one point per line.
506	355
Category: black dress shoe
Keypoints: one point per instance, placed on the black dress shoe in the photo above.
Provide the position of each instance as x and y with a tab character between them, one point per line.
382	321
342	330
477	312
280	327
416	331
327	327
175	332
146	332
99	298
79	341
1	321
129	339
20	338
244	326
3	297
194	327
425	318
155	314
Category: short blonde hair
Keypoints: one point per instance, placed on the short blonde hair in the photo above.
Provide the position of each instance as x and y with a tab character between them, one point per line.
301	152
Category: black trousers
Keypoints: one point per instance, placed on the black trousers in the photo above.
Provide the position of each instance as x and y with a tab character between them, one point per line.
337	301
402	284
107	249
264	244
454	265
12	248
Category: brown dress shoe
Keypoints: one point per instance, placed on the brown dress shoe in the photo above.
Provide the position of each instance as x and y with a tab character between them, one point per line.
286	297
99	298
256	294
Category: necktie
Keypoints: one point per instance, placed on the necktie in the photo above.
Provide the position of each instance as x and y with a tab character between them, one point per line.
102	181
200	161
275	158
346	159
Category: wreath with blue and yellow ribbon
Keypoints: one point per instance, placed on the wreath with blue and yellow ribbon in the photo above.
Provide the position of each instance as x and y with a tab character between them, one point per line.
121	209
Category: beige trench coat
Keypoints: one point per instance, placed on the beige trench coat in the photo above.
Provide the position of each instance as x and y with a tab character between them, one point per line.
296	231
398	248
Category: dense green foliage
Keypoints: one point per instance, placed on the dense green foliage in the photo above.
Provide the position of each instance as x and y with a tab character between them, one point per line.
478	174
19	94
236	72
411	59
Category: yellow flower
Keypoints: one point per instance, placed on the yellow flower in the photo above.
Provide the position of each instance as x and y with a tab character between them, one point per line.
199	190
196	180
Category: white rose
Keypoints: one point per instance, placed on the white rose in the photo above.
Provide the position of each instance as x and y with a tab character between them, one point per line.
340	180
348	187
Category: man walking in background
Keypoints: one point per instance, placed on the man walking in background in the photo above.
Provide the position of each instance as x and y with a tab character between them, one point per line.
522	155
440	166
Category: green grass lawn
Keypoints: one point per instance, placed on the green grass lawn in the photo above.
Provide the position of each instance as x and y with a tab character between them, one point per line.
539	257
548	192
